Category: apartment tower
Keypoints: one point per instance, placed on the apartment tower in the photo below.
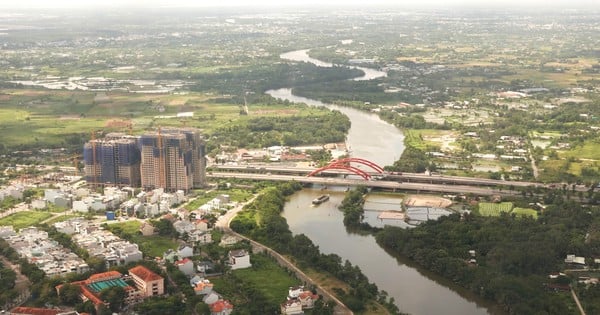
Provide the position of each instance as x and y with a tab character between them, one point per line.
172	159
114	160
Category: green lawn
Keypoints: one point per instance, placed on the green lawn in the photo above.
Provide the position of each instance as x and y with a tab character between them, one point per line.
24	219
489	209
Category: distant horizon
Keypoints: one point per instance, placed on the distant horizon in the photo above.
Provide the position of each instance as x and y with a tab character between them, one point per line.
72	4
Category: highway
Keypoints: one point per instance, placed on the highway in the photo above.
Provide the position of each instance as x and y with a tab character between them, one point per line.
382	184
391	177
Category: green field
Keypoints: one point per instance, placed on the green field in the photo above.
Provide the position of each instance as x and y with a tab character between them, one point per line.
589	150
265	276
525	212
153	246
237	195
489	209
24	219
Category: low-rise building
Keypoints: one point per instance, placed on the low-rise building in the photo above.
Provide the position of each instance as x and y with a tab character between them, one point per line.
48	255
147	281
186	266
185	251
221	307
239	259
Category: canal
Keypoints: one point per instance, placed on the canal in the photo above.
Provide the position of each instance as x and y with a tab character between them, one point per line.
414	290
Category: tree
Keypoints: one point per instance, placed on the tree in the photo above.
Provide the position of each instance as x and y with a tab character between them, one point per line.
165	228
115	297
69	294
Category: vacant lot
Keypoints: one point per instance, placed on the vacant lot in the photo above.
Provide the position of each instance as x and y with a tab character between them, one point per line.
427	201
24	219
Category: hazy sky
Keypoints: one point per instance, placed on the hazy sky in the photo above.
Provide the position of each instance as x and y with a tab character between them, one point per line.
206	3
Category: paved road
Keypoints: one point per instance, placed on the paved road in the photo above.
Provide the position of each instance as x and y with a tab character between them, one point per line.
391	185
223	223
577	302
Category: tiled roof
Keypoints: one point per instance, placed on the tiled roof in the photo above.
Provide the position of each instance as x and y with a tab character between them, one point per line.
104	275
144	273
220	306
34	311
183	261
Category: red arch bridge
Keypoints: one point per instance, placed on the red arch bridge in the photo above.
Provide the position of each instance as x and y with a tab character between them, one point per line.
344	164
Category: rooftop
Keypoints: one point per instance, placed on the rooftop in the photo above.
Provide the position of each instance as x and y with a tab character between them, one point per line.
144	273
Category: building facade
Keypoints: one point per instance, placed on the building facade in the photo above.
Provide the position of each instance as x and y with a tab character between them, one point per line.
172	159
114	160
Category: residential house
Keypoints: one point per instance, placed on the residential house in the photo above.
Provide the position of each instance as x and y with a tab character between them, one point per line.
307	299
186	266
201	237
221	307
201	224
211	298
205	266
291	307
185	251
228	240
239	259
201	286
170	255
147	229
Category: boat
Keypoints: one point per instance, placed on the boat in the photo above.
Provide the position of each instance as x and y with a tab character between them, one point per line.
320	199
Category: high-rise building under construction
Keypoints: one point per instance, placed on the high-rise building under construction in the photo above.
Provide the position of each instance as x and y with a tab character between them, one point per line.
114	160
172	159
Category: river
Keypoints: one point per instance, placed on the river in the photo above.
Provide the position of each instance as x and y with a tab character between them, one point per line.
414	290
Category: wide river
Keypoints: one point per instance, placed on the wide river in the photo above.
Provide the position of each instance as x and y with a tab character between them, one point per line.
414	290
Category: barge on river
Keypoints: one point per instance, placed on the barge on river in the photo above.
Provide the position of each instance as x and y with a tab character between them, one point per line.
320	199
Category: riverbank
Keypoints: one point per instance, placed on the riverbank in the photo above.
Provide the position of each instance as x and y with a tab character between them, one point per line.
262	222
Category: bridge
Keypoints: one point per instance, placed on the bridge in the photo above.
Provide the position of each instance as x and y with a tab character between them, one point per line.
381	184
365	173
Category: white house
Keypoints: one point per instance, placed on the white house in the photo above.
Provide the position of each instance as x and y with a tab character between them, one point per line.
291	307
201	237
80	206
186	266
239	259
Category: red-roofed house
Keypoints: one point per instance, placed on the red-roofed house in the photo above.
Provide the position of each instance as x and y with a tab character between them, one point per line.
307	299
147	281
221	307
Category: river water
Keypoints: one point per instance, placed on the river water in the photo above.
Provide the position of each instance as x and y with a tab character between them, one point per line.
414	290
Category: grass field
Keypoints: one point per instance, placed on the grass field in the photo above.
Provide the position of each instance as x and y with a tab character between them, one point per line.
153	246
489	209
525	212
59	118
589	150
279	281
24	219
237	195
